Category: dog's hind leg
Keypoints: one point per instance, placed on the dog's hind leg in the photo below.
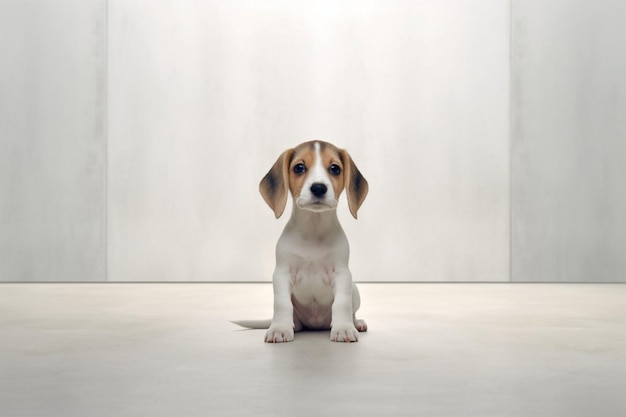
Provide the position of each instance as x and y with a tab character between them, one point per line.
356	303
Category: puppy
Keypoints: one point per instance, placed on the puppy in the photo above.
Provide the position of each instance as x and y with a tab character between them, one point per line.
313	286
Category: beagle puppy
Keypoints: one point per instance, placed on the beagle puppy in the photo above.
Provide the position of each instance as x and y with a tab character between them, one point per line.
312	284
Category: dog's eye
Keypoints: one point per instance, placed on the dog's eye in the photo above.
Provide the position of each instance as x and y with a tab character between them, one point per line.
334	169
299	169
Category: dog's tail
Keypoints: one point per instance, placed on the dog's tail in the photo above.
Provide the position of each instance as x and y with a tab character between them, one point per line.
253	324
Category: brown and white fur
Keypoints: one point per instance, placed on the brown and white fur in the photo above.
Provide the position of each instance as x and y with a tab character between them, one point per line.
313	286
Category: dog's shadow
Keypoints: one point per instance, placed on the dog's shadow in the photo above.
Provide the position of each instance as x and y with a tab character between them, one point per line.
305	336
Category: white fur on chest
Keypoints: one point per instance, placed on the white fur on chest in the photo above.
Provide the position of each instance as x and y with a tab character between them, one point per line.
312	293
313	260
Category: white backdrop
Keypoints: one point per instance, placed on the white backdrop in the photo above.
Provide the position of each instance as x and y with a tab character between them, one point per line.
134	134
569	141
53	140
203	96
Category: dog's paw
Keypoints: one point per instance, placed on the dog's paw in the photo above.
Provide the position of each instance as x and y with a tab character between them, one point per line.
360	325
344	333
279	334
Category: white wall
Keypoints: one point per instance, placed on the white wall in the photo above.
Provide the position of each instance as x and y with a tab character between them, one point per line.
203	96
569	141
134	134
52	141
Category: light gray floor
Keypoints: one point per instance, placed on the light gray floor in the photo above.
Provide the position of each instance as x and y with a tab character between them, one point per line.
93	350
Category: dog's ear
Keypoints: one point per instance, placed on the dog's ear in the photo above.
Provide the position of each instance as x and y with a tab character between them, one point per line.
354	183
274	186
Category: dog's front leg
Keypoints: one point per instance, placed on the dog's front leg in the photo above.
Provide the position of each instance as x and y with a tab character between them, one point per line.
282	328
342	328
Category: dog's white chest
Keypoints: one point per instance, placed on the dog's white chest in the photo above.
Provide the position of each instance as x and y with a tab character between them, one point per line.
312	278
312	293
312	272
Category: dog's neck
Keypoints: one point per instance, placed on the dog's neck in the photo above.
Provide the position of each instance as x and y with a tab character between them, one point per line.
311	223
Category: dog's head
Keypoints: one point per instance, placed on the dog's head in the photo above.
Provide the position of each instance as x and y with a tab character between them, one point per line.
316	173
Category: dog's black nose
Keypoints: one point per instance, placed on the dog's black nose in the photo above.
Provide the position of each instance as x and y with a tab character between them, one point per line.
318	189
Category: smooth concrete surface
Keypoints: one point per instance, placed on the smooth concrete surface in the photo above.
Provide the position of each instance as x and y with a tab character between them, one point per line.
432	350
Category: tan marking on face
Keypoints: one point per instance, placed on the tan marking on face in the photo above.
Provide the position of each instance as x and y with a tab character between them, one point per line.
330	156
305	154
